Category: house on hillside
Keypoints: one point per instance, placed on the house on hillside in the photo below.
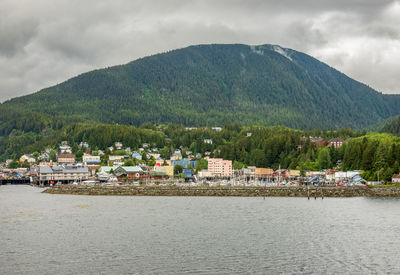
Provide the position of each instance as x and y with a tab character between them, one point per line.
336	142
176	155
118	145
83	144
65	148
91	160
208	141
27	158
137	156
65	158
115	159
316	141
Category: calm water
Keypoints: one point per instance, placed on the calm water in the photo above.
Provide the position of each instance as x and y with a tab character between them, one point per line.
63	234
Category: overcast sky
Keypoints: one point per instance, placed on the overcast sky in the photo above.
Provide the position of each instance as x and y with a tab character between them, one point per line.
45	42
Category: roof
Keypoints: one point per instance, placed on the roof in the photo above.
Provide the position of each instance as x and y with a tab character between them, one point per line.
60	169
76	169
396	176
45	169
132	169
129	169
108	168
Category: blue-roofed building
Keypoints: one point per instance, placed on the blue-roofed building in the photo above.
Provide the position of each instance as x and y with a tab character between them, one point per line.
185	163
137	156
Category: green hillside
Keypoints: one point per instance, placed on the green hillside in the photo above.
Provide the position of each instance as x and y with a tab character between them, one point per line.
392	126
214	85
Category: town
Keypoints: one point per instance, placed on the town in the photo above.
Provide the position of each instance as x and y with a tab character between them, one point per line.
117	165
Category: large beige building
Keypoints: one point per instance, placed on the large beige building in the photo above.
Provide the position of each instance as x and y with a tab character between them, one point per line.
220	167
63	174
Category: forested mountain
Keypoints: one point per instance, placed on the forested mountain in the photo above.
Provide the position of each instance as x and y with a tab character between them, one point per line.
392	126
214	85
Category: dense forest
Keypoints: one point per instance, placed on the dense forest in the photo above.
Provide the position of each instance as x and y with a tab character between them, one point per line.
213	85
392	126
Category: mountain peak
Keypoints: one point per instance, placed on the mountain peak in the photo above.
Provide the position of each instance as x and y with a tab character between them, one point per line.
215	84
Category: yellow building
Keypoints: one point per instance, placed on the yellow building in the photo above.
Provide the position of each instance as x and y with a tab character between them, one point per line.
169	170
264	172
294	173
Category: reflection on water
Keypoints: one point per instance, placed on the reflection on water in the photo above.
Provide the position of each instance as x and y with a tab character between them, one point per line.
63	234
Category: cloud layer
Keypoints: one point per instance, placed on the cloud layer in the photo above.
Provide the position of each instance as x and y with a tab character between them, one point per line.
45	42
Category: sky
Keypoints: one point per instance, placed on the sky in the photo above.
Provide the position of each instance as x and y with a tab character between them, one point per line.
45	42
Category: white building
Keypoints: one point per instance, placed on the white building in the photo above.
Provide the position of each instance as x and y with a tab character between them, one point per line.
91	160
208	141
65	148
340	176
396	178
118	145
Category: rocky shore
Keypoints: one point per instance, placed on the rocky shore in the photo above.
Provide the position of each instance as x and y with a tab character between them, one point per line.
297	191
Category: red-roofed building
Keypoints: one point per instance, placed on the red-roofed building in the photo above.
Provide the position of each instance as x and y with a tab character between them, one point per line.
396	178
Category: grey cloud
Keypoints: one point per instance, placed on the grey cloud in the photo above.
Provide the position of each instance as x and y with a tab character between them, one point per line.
46	42
15	35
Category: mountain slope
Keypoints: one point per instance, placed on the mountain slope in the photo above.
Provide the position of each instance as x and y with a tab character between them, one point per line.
216	84
392	126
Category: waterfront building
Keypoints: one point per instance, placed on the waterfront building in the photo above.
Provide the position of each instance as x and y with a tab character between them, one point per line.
129	171
185	163
157	175
169	170
62	174
264	172
293	174
396	178
188	173
346	176
220	167
205	174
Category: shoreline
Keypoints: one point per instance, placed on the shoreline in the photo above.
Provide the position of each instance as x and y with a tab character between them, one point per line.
225	191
